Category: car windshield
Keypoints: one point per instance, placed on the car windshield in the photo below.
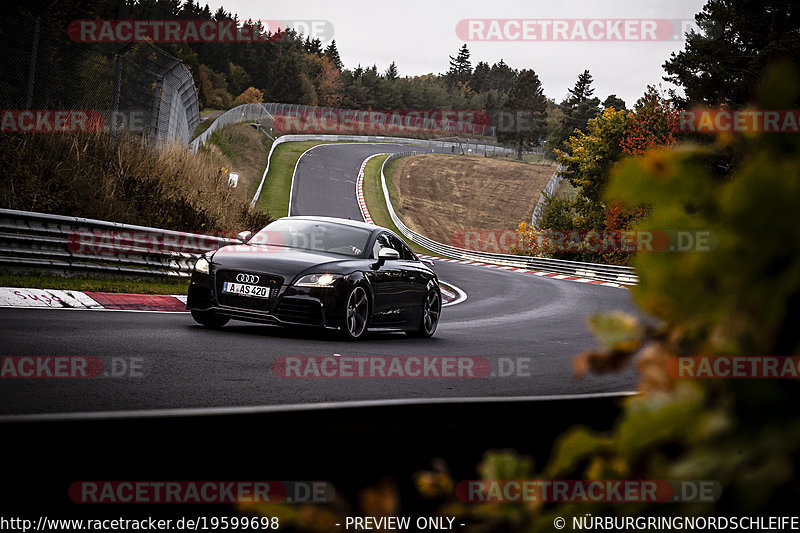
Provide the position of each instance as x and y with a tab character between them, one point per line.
314	235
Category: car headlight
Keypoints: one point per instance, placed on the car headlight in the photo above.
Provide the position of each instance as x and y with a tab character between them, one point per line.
317	280
201	266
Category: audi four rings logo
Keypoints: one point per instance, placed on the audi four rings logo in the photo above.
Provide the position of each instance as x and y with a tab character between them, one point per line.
246	278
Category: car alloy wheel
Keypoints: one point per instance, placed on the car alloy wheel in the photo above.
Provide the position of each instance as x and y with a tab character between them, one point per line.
431	309
356	313
430	313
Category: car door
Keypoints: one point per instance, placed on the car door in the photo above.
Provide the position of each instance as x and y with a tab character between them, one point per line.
413	278
390	306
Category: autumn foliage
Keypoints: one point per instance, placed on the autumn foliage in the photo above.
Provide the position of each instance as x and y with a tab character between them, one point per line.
251	95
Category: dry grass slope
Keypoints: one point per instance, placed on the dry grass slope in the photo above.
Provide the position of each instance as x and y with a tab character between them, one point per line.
128	181
440	195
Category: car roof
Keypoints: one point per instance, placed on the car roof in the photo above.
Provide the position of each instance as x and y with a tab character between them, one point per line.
334	220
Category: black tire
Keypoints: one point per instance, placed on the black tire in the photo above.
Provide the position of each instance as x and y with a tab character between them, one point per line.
209	319
431	310
356	313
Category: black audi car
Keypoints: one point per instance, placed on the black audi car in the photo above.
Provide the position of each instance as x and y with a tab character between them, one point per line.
318	271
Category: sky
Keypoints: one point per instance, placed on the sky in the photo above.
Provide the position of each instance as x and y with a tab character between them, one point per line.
419	35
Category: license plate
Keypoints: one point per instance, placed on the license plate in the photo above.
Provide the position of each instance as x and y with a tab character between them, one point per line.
243	289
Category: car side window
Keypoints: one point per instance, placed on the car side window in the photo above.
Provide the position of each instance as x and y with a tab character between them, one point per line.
381	242
400	246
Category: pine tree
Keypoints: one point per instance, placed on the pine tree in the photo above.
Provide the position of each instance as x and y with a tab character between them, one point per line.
613	101
501	77
581	92
524	114
332	53
391	72
314	46
480	77
578	108
727	57
460	68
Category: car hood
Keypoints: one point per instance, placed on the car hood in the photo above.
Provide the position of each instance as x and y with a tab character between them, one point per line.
284	262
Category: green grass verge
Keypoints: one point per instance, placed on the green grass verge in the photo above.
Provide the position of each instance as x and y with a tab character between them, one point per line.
373	195
110	284
203	126
274	198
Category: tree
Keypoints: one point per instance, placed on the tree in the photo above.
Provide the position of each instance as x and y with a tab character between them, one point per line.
313	46
391	72
215	88
251	95
460	68
330	88
480	77
578	108
501	77
612	101
238	78
654	122
525	112
332	53
722	63
587	159
581	92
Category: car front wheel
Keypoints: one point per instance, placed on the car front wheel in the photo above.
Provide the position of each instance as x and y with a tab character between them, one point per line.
356	314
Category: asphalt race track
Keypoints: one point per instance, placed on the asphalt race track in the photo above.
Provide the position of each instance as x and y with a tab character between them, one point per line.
525	325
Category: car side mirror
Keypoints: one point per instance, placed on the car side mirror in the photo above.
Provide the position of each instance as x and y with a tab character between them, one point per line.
244	236
427	262
386	254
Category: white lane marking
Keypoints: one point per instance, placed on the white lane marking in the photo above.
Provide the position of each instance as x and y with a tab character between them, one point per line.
255	409
460	295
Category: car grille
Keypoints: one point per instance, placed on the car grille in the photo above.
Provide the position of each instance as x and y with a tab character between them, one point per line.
299	311
247	302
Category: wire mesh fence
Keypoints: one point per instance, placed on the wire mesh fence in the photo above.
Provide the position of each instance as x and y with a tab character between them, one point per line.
270	115
242	113
53	83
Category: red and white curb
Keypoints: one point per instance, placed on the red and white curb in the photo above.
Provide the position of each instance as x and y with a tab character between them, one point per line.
360	190
541	273
111	301
57	299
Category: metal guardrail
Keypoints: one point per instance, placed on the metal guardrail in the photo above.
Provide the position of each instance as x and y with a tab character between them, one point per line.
548	192
40	242
612	273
